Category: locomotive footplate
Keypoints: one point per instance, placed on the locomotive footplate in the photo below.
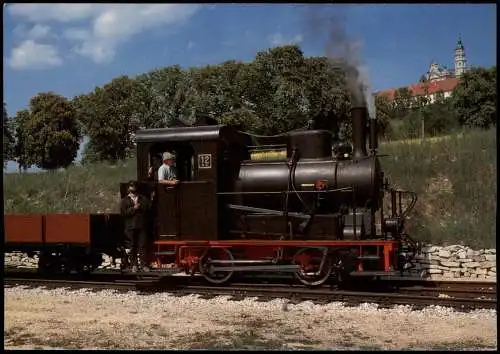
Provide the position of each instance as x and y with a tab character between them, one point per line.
312	261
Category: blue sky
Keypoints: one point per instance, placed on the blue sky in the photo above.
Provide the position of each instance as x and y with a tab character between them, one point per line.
71	48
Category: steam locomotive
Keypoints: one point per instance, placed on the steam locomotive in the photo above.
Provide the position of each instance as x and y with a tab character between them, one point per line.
311	210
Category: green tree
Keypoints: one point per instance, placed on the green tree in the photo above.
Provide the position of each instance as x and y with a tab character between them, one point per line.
245	97
224	91
8	137
276	87
232	74
161	93
328	100
111	115
403	102
384	113
475	98
440	117
21	155
244	118
49	134
278	91
203	93
410	127
90	153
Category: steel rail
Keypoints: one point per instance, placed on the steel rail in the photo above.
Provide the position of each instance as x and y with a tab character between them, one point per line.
399	282
350	297
414	297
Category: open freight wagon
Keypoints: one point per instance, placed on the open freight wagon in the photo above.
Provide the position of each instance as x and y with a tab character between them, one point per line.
69	241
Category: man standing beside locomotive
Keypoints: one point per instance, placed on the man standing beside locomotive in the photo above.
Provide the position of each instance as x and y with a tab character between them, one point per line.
134	208
167	173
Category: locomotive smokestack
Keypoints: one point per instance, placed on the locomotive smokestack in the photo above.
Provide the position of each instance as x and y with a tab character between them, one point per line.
359	120
373	141
373	138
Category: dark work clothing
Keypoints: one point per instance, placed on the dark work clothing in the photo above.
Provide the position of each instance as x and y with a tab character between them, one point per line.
136	240
135	219
136	228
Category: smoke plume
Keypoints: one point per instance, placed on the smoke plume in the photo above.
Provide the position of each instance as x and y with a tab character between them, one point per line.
328	22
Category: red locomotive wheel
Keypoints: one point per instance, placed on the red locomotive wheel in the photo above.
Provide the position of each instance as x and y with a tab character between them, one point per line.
315	266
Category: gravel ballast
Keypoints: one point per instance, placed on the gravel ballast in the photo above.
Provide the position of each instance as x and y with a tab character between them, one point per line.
61	318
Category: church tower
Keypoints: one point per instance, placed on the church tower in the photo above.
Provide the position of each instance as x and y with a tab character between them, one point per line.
460	59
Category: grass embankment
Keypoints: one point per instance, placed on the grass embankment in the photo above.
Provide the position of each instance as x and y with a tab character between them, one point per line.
455	179
90	189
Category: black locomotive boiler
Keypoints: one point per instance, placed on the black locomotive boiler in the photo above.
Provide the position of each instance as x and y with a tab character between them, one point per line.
322	196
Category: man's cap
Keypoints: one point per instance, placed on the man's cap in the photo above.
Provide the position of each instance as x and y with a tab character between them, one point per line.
168	156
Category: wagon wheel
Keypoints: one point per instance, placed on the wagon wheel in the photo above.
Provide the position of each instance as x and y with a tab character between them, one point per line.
315	266
206	268
90	263
45	263
49	263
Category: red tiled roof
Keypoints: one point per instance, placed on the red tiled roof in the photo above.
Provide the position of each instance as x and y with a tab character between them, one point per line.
446	85
389	94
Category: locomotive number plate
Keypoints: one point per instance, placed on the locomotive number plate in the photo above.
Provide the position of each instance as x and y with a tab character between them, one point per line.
205	161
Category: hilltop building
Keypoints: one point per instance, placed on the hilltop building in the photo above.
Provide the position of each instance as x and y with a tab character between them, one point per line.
438	78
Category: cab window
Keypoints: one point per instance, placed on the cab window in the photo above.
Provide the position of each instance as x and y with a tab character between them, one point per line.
184	159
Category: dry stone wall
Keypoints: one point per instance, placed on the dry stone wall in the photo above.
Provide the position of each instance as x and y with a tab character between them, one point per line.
21	260
455	262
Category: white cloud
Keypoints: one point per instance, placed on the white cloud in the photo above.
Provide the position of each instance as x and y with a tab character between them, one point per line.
190	45
278	39
103	27
54	12
38	31
76	34
32	55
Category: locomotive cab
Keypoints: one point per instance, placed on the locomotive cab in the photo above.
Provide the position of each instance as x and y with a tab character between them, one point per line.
205	157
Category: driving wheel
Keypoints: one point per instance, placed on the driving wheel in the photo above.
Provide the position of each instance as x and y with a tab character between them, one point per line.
207	267
315	266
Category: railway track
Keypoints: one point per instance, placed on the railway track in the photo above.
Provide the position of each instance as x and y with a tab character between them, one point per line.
420	294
